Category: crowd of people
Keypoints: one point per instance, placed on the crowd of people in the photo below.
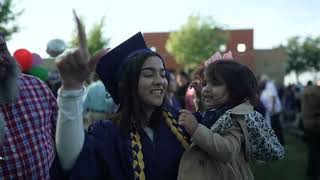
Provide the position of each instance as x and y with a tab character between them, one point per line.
138	120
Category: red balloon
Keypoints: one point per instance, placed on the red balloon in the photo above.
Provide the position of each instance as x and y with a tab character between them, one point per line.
24	58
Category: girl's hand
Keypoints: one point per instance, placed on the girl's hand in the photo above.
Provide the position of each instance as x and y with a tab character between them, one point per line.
74	65
188	121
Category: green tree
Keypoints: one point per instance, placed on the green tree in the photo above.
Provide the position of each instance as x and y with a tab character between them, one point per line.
96	41
196	41
311	52
295	61
304	54
7	18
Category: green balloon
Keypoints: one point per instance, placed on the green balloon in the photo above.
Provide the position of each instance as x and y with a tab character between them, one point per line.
39	72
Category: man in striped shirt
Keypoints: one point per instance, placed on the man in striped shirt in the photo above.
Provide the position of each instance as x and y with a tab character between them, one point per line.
29	111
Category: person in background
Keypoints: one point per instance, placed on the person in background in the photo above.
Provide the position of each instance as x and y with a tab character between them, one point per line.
289	105
193	98
171	93
54	81
310	111
29	111
97	102
183	81
271	101
260	107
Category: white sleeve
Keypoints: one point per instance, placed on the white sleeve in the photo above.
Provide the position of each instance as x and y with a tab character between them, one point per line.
69	131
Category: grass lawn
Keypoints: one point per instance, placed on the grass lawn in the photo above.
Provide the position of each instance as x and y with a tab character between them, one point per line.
292	167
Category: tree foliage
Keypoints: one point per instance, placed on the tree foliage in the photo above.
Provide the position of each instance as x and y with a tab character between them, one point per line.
304	54
8	18
196	41
96	41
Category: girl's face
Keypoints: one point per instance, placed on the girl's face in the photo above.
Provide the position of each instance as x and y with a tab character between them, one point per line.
214	94
152	85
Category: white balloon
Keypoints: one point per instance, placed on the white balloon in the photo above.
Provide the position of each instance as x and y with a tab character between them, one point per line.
55	47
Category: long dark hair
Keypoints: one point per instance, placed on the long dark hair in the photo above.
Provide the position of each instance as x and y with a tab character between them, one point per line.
238	78
131	109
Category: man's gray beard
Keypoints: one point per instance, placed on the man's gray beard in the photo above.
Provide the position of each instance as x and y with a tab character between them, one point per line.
10	85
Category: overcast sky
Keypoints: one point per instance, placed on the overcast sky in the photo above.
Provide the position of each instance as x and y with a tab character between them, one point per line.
273	21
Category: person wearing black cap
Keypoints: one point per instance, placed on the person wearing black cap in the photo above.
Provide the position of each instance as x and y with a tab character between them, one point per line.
144	140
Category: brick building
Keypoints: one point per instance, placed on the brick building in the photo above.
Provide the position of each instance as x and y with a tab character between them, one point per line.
236	38
264	61
271	62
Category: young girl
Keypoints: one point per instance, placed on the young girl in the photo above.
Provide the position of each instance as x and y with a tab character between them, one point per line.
231	132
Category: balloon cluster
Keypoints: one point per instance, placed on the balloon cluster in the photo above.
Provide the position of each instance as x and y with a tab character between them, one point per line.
30	63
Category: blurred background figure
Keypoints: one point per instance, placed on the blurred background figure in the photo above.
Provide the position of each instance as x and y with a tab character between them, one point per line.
271	101
310	109
193	97
289	106
260	106
97	103
171	92
183	81
54	81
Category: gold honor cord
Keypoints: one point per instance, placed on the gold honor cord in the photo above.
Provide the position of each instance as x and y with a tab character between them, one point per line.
137	163
175	129
136	147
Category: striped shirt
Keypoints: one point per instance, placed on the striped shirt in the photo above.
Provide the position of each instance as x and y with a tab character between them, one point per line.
28	149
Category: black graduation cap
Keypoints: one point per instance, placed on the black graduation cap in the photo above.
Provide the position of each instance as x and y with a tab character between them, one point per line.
111	63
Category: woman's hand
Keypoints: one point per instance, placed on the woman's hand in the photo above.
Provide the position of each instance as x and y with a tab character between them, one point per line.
74	65
188	121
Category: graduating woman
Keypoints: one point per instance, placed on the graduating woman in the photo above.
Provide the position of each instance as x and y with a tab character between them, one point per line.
142	141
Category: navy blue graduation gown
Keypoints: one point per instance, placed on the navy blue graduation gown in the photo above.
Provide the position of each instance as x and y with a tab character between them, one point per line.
107	155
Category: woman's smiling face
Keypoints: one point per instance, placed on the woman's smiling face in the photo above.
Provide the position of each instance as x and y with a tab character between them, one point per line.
153	84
